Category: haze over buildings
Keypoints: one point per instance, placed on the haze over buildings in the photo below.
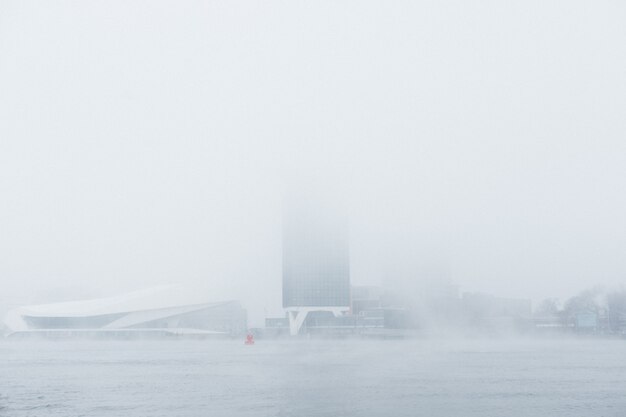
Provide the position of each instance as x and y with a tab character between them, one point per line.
150	143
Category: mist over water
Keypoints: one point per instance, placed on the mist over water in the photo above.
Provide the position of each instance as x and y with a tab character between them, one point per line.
455	173
435	378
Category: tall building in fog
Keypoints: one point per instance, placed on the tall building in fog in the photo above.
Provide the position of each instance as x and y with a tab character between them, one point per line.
316	261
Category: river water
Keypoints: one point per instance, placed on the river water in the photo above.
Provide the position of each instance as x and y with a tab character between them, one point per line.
447	378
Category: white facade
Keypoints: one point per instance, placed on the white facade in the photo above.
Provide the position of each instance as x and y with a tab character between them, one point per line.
169	309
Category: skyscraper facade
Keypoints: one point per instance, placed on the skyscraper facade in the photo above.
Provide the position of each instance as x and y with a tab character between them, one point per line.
316	262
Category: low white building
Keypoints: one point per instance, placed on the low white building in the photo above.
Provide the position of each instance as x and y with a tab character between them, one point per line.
160	311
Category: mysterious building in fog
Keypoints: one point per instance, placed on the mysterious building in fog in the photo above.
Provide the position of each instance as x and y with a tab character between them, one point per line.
161	311
316	263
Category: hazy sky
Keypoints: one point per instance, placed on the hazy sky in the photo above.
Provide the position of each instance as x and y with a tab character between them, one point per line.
149	142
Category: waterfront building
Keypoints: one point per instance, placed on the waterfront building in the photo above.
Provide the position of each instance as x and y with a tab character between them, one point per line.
485	305
161	311
316	263
485	312
366	297
586	321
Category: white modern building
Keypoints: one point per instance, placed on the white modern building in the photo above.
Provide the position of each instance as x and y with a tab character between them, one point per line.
160	311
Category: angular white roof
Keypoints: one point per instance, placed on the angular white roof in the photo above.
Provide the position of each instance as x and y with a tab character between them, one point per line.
153	298
158	298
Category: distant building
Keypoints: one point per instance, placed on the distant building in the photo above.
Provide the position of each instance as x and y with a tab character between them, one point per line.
367	317
277	322
162	311
549	323
375	308
618	322
366	298
586	321
490	306
316	262
496	314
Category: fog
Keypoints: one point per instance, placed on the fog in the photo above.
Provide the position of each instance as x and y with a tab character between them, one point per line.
146	143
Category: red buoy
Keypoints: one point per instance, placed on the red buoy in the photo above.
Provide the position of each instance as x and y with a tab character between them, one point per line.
249	339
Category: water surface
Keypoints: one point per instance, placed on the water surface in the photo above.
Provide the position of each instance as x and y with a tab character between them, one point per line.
443	378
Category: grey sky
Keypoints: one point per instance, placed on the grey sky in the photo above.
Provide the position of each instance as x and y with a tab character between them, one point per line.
149	142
